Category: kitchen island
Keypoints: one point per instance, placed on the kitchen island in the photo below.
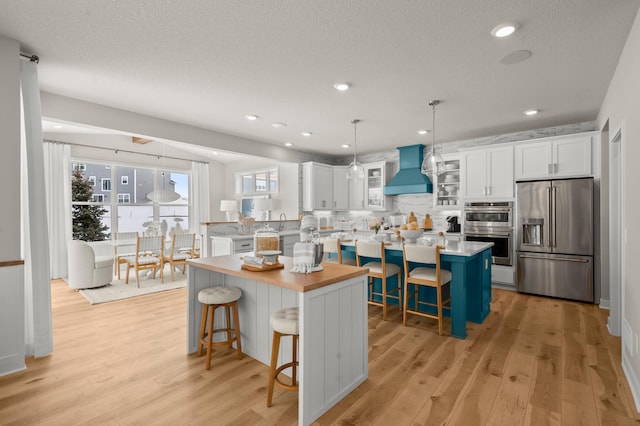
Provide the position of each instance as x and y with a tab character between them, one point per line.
333	344
470	266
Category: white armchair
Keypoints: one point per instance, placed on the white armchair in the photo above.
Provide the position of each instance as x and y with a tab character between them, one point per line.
86	270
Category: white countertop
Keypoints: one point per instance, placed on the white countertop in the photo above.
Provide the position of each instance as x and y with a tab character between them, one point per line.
462	248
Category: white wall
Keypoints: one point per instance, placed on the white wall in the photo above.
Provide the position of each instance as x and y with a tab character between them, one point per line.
285	201
621	107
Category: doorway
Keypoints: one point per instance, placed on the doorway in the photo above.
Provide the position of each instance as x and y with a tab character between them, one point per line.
616	232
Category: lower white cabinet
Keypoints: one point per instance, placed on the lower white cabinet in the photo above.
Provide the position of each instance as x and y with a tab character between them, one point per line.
222	246
554	158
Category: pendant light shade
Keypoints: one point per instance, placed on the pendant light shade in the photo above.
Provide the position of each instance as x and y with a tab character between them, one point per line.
163	195
355	171
433	163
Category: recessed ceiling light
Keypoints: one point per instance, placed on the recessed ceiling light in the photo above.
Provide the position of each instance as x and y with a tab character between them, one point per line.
214	152
422	132
505	29
516	57
342	87
531	112
288	144
251	117
279	125
58	126
345	145
306	133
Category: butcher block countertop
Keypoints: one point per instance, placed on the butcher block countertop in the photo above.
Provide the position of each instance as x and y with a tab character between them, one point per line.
231	265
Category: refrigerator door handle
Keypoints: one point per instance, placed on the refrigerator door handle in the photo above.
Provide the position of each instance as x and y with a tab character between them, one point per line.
549	222
555	223
560	259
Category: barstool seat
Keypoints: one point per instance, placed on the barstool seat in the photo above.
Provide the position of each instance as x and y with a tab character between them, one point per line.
219	297
284	323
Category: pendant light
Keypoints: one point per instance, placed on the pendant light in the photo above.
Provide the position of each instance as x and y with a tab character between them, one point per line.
433	164
355	171
163	195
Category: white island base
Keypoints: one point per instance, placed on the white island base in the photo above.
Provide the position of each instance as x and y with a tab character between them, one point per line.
333	343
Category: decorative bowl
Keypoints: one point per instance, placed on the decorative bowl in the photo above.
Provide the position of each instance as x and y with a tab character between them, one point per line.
411	235
450	188
450	166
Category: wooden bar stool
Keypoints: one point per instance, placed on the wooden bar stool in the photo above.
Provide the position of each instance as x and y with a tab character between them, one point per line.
213	298
284	323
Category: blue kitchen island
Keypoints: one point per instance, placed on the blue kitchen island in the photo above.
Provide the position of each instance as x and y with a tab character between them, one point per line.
470	266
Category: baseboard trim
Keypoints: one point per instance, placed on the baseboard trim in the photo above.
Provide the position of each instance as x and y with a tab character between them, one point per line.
632	379
605	304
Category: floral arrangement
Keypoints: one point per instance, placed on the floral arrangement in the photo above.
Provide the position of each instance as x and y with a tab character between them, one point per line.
375	223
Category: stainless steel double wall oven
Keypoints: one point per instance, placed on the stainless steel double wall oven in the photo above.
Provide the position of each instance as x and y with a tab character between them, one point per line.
491	222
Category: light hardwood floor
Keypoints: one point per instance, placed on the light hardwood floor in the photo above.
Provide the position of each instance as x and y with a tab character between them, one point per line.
534	361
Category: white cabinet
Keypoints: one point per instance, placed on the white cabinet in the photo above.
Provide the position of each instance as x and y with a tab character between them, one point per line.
487	173
446	192
356	194
557	158
317	186
340	188
222	246
375	178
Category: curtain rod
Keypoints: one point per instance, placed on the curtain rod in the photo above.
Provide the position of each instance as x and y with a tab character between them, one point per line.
158	156
32	58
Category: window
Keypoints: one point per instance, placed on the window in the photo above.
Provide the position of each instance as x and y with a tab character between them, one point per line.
99	210
257	182
79	166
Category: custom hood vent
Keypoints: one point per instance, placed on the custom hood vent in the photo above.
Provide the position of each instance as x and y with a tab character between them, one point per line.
409	179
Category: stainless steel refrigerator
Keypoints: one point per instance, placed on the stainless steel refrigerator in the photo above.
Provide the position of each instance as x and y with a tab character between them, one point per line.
554	238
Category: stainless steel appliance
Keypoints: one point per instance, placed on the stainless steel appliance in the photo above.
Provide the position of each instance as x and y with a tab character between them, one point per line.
453	225
555	238
491	222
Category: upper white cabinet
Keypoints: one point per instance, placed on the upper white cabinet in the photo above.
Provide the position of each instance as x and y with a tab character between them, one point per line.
375	178
317	186
340	188
447	188
487	172
356	194
557	158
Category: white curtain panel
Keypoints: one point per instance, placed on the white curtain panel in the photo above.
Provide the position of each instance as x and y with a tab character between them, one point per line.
199	196
57	163
38	332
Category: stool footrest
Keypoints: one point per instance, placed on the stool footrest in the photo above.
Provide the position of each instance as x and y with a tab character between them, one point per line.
282	384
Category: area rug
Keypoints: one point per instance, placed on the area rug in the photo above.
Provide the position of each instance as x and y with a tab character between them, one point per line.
118	290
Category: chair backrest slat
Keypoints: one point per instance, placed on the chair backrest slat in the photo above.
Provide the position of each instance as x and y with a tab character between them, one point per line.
182	241
152	245
420	253
369	249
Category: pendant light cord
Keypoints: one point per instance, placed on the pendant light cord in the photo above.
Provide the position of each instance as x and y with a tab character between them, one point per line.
433	126
355	138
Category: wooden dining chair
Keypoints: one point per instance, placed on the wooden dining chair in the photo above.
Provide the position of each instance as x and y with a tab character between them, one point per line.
421	275
121	252
379	268
331	246
149	255
182	249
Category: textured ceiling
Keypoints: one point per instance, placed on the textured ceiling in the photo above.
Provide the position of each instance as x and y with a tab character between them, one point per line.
207	63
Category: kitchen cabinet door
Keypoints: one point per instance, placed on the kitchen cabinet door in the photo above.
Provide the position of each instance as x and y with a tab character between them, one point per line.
317	186
474	165
557	158
356	194
500	172
375	178
572	157
447	184
340	188
488	173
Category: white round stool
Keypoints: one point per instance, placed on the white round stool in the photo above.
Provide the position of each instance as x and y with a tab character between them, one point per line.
284	323
213	298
